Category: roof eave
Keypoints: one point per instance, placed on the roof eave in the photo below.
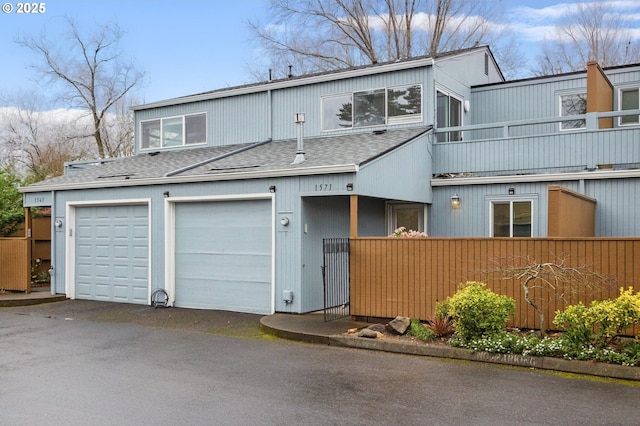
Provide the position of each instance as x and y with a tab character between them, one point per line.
283	84
306	171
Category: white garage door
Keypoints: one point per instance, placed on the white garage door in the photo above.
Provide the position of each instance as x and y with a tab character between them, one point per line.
112	253
223	255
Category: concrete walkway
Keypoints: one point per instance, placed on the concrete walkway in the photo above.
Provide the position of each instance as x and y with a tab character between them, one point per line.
309	328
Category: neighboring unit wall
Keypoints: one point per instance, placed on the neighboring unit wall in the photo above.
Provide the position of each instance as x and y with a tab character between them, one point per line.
571	214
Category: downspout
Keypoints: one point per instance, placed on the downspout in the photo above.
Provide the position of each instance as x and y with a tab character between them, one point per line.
218	157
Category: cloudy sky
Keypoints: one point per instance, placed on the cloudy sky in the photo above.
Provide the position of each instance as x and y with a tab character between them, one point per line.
190	46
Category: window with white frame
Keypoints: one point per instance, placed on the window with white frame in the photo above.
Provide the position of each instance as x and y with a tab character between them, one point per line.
512	218
573	104
395	105
173	131
449	114
409	215
629	99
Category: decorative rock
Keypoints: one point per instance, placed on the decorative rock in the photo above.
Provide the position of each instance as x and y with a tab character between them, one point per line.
369	334
400	325
377	327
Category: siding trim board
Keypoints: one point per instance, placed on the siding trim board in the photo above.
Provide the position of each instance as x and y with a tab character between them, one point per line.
547	177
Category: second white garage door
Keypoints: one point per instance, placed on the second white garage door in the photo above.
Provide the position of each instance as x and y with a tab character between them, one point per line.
223	255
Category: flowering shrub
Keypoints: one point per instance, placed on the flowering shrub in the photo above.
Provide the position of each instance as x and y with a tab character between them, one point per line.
477	311
403	233
600	323
530	344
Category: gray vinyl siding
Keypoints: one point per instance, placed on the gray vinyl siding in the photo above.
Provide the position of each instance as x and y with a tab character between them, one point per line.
403	174
372	217
307	99
253	117
230	121
566	152
617	208
472	218
521	101
468	68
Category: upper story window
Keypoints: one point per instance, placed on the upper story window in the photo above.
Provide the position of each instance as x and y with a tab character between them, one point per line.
402	104
449	114
629	99
573	104
173	131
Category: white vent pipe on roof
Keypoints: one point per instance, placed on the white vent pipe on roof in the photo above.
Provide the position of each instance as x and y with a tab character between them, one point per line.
299	120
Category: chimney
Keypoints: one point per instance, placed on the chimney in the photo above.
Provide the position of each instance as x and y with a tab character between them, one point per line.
299	120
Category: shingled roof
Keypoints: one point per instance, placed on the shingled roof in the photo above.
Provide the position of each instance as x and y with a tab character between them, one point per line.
332	154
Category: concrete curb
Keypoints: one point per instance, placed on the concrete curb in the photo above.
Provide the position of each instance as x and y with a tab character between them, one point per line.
439	351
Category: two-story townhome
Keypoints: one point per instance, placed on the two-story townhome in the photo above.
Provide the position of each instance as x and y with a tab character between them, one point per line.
230	193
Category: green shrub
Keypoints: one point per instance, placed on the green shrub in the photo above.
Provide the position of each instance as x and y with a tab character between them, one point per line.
600	323
419	331
477	311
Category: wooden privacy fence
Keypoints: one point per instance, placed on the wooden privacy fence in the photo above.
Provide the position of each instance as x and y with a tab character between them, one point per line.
18	254
408	276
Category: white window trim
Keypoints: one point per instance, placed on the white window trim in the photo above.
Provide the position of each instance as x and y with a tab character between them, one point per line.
627	89
184	135
415	118
533	199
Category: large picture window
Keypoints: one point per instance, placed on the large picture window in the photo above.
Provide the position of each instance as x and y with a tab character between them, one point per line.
629	99
511	218
449	114
402	104
173	131
574	104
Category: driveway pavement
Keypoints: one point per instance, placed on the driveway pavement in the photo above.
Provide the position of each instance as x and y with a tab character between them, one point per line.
77	363
307	327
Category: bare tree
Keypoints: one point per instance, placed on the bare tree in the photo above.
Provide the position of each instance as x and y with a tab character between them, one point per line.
37	144
590	32
320	35
546	282
91	72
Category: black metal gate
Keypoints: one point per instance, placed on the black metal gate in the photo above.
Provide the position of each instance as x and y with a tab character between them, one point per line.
335	277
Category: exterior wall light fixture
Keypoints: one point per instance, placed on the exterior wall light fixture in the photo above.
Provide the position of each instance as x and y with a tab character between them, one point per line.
272	189
512	191
349	187
455	201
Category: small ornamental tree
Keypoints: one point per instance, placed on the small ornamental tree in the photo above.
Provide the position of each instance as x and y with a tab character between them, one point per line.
545	282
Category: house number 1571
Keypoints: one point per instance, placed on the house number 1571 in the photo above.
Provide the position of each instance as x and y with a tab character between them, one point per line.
323	187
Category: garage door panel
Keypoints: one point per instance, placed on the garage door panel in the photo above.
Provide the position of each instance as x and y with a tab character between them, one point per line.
242	296
112	253
223	255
